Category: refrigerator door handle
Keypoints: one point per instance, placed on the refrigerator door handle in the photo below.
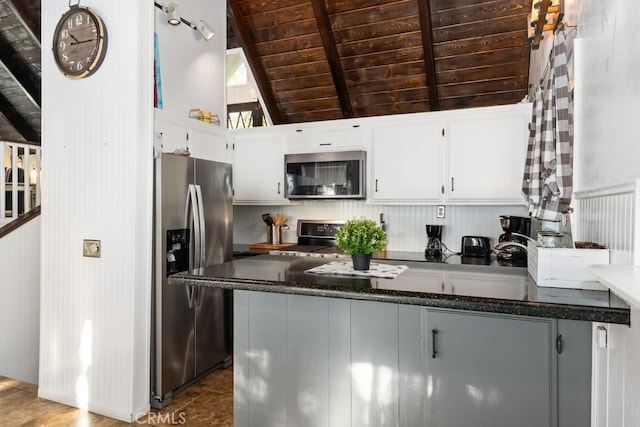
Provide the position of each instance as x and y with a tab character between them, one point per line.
202	241
191	296
191	222
191	219
199	295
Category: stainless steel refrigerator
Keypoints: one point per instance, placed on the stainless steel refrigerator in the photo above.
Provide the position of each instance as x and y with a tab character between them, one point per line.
193	221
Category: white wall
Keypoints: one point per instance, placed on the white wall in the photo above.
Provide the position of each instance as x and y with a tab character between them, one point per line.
607	149
20	302
608	92
97	184
192	69
97	179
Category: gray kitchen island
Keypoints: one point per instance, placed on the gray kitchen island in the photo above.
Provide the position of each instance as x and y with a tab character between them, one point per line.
439	345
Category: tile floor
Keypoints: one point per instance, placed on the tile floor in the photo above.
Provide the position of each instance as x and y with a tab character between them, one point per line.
208	402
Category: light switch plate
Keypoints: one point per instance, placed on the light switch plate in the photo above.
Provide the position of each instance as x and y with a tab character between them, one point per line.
440	211
91	248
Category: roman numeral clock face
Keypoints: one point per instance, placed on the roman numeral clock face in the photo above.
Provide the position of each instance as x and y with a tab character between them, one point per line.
79	42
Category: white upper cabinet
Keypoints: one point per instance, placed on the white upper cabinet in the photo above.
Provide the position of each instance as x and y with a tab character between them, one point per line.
327	137
204	141
454	157
209	145
258	167
486	151
406	162
461	157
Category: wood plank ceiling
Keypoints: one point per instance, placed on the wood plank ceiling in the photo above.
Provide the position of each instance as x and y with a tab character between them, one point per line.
329	59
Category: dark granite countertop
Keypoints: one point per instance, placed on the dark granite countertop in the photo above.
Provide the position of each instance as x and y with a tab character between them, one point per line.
484	288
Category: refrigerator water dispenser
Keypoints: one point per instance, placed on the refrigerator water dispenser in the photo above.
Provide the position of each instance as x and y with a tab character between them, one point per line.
177	250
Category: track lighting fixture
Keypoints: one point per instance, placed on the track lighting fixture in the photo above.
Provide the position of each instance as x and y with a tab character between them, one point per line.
205	30
174	18
173	13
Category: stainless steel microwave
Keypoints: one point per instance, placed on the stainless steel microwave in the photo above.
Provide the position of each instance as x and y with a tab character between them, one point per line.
325	175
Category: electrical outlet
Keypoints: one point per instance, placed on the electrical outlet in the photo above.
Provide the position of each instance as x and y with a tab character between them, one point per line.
91	248
440	211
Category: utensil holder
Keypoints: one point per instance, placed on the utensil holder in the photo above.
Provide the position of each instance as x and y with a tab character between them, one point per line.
276	234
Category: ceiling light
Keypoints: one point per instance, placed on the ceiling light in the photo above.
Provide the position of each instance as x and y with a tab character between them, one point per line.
174	18
206	31
173	14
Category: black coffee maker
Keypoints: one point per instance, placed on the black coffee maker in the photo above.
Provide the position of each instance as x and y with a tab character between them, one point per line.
515	227
434	241
517	230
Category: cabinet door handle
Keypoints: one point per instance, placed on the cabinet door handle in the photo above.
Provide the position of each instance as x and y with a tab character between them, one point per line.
451	183
278	188
559	344
434	351
376	185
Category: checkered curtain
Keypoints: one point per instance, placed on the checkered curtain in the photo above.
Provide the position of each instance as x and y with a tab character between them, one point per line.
548	175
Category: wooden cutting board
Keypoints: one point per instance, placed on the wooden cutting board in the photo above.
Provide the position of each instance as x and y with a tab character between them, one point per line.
264	246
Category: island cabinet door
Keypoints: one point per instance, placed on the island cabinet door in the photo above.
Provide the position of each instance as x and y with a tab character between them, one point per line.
259	359
374	364
291	360
386	368
489	370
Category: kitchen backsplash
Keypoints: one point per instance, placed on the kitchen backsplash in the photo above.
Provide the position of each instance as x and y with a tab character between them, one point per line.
608	218
405	225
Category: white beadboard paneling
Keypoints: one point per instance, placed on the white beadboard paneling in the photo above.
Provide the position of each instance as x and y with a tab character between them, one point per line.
608	219
20	302
405	224
97	138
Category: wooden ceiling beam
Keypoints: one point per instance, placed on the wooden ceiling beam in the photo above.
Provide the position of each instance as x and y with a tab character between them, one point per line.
424	10
17	121
20	73
26	15
29	13
243	38
331	51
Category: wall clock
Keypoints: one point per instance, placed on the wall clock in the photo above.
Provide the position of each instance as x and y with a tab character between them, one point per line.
79	42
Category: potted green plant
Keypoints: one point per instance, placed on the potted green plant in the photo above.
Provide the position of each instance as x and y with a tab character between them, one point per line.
361	237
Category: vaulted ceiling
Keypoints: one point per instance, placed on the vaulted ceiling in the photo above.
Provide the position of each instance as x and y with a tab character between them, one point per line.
330	59
327	59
